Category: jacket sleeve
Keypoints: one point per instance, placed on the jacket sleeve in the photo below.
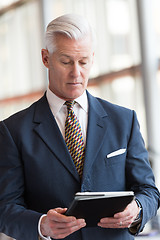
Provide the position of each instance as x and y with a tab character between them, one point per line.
15	219
139	175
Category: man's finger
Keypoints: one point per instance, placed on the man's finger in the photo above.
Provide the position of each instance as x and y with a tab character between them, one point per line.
57	215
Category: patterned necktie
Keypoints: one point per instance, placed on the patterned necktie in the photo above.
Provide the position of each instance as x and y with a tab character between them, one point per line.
74	138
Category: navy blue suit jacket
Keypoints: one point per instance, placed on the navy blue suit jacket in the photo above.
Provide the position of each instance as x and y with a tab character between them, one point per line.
38	174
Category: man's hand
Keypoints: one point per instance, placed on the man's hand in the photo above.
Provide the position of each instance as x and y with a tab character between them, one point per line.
57	225
122	219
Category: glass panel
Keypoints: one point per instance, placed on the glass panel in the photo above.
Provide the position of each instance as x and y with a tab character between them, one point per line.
5	3
10	107
156	19
20	46
120	32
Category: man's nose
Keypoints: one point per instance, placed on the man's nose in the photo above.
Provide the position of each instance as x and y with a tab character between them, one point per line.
75	70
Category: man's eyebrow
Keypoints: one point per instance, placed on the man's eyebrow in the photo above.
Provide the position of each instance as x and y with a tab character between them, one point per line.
65	55
85	57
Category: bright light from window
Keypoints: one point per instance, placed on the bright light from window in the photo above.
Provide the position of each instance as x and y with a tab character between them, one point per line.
123	84
5	3
118	16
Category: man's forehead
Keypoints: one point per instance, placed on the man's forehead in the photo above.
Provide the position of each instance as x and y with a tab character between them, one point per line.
69	56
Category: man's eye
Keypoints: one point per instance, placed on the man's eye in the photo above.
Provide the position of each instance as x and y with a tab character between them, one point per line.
65	63
83	63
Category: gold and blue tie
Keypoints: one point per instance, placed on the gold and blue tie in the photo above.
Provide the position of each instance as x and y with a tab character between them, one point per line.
74	138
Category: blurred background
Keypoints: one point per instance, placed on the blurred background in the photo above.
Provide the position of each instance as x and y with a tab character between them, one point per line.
126	70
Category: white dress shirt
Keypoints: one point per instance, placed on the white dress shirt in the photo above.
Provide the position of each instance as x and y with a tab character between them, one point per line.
59	111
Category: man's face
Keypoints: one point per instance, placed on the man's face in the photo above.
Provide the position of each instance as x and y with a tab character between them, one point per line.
69	66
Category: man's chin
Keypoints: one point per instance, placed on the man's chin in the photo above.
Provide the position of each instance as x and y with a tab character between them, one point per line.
75	95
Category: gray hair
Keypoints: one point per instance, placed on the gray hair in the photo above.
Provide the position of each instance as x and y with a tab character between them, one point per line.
71	25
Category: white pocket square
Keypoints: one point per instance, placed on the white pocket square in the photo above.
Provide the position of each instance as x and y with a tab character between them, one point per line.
117	152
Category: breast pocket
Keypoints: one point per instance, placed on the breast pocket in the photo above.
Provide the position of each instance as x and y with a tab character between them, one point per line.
113	159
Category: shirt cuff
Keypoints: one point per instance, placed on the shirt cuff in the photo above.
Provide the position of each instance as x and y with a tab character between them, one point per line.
135	226
41	237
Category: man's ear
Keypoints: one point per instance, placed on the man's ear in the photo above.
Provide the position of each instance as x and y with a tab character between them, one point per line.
45	57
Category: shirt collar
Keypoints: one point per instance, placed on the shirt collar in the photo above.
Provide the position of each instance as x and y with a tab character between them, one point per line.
83	101
56	103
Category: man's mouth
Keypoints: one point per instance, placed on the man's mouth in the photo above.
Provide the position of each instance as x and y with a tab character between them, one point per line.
76	83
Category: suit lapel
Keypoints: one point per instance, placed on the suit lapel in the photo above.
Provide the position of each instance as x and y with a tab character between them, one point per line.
96	132
47	128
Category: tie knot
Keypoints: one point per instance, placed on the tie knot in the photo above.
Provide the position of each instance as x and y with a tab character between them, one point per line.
69	104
